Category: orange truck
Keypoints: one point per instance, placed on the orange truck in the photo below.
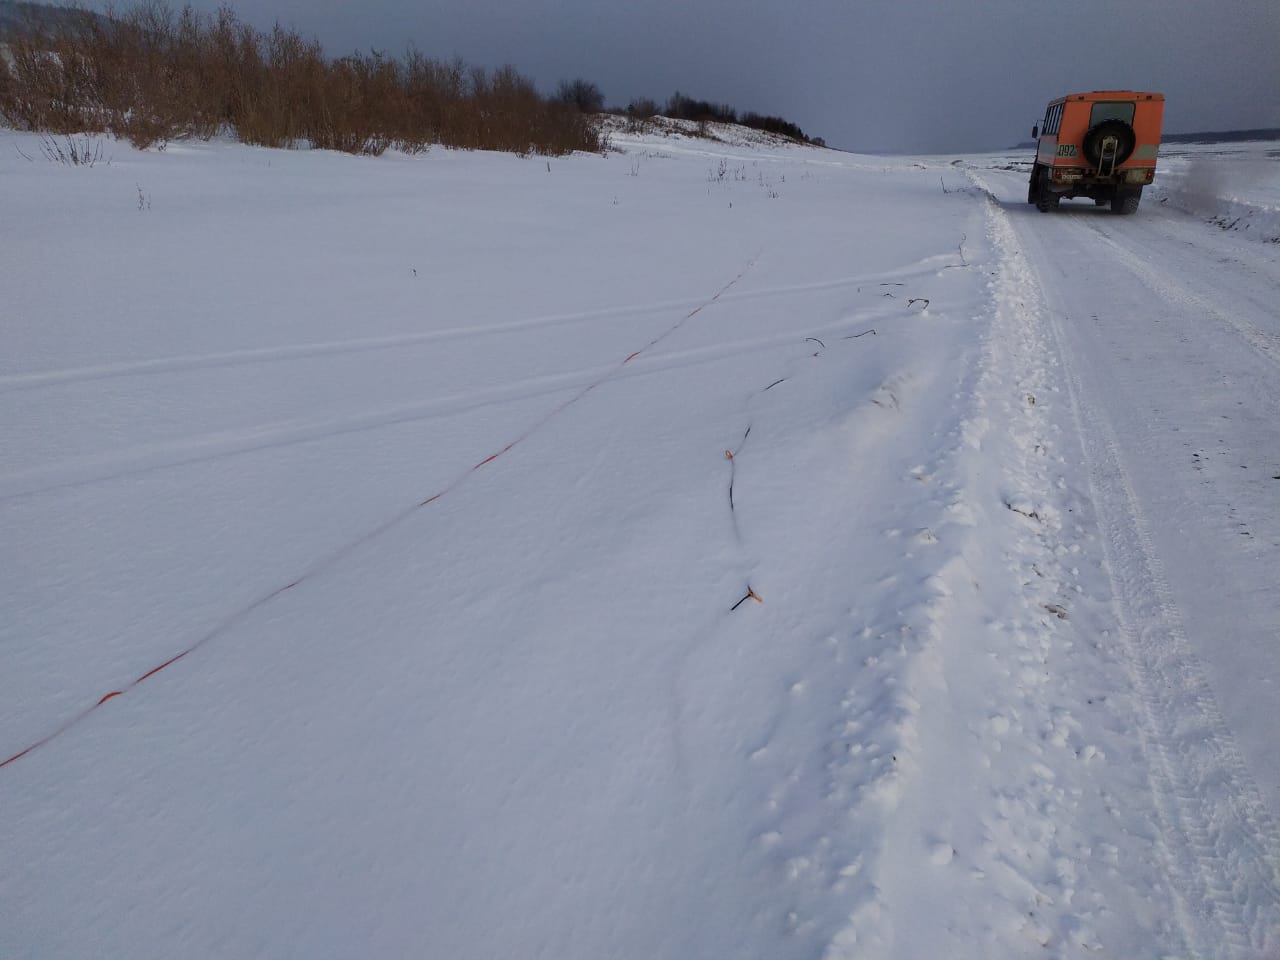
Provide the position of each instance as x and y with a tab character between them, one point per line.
1101	145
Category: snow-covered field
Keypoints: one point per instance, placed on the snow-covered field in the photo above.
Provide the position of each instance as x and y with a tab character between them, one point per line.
707	550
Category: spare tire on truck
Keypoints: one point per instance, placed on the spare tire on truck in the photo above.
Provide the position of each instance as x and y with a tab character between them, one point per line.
1097	136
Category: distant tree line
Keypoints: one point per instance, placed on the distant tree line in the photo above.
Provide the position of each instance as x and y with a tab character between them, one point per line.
150	75
585	96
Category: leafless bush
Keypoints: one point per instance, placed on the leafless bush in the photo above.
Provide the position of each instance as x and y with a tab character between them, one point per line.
642	108
149	75
640	114
73	151
47	86
584	95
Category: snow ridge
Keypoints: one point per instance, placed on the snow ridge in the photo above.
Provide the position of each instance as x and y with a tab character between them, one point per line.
997	838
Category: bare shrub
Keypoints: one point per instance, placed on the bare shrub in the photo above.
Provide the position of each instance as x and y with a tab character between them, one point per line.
82	151
149	75
776	125
581	94
642	108
640	114
48	84
680	107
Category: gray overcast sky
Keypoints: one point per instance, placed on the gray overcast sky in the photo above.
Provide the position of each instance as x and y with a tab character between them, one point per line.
873	75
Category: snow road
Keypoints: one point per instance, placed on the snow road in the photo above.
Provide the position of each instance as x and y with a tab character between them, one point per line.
1173	336
1175	389
714	549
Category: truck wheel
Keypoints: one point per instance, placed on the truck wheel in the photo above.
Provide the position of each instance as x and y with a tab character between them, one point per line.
1032	191
1125	201
1091	146
1046	199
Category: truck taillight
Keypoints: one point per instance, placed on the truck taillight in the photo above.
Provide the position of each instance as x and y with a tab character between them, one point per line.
1140	175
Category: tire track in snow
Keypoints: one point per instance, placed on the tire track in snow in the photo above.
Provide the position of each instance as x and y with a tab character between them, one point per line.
1170	288
232	358
131	461
1227	849
1223	846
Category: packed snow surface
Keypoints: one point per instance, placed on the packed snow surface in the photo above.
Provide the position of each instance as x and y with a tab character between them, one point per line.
702	550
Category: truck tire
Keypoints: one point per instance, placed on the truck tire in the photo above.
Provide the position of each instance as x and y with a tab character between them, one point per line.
1125	201
1091	146
1046	199
1032	191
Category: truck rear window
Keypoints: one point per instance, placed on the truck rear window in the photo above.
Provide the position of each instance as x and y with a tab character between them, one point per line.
1114	110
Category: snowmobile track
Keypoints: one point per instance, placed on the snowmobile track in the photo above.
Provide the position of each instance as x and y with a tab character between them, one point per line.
93	468
160	365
